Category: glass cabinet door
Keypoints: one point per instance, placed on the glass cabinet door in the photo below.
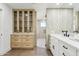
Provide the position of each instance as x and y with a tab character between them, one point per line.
25	20
20	21
15	21
30	21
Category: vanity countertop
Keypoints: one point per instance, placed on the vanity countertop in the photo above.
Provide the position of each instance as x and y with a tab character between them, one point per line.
67	40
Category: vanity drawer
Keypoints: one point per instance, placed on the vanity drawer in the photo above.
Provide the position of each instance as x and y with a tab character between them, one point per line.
67	48
63	53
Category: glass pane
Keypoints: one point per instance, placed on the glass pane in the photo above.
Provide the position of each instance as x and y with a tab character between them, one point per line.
30	20
30	16
20	21
15	21
30	25
25	16
25	29
25	21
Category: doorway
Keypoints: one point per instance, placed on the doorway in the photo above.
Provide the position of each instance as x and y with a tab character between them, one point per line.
41	29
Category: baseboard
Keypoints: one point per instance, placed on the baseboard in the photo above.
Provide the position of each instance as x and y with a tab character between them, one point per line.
4	52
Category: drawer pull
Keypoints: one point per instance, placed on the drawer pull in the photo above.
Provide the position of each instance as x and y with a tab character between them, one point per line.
16	39
65	47
27	45
64	54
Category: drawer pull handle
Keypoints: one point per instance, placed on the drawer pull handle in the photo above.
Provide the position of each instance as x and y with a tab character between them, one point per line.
27	45
64	54
65	47
16	40
15	45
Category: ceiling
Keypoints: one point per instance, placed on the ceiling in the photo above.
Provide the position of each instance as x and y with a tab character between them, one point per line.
41	5
20	5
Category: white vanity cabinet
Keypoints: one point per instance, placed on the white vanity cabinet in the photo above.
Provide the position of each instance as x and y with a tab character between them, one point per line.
54	46
60	48
77	52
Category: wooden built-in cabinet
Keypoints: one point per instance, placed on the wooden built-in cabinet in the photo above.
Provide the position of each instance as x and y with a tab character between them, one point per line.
24	21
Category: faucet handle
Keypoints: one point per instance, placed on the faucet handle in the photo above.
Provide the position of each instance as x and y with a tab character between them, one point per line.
68	35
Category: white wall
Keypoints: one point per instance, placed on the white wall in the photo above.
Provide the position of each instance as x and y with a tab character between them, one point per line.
6	28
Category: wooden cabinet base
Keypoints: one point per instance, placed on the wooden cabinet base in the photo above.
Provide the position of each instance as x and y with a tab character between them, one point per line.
23	41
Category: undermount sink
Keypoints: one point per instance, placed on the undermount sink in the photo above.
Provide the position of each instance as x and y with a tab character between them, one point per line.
74	37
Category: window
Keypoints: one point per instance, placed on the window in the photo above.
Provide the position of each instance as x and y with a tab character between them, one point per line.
43	23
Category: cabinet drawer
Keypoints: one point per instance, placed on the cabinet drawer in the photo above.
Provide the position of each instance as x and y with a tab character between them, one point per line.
63	53
27	40
16	44
68	48
16	40
14	36
26	45
29	37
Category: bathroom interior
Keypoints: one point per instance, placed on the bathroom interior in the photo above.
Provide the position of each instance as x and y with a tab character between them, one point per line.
39	29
